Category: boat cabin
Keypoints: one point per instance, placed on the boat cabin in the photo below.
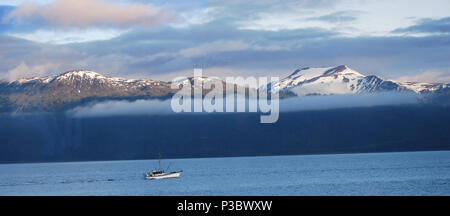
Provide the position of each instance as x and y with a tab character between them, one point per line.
156	172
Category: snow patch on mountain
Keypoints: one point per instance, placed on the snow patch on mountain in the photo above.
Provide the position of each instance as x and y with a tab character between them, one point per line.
342	80
420	87
85	76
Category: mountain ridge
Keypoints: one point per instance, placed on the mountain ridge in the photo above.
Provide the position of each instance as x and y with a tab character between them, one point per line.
72	88
59	92
344	80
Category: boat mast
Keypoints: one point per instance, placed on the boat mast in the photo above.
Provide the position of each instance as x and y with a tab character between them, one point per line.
159	162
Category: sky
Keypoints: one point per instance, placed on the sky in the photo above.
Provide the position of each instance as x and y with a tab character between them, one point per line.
407	40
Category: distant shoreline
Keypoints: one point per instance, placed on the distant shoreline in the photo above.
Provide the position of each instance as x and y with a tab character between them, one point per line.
249	156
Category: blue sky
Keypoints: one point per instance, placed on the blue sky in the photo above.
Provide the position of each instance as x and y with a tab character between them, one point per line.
161	39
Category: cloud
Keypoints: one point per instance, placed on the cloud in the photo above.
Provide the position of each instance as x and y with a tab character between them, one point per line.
4	11
303	19
346	101
118	108
428	76
158	107
224	46
338	17
249	7
269	14
221	46
60	36
24	71
427	26
156	52
21	58
217	46
91	13
223	72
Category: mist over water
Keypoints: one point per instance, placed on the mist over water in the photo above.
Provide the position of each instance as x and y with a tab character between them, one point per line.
346	101
305	103
114	108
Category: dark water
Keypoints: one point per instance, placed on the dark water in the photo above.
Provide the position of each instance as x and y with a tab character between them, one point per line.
408	173
57	137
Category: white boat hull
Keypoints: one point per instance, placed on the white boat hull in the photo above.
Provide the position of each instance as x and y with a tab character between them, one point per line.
165	175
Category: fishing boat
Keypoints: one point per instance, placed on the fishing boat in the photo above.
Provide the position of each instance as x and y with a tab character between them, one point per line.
161	173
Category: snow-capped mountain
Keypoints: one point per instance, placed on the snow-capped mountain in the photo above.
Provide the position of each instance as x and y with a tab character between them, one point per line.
209	83
84	79
73	87
343	80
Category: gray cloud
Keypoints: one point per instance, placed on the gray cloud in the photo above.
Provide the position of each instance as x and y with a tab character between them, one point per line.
21	58
150	53
428	26
338	17
222	46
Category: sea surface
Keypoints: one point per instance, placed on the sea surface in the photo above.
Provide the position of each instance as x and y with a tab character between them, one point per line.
405	173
